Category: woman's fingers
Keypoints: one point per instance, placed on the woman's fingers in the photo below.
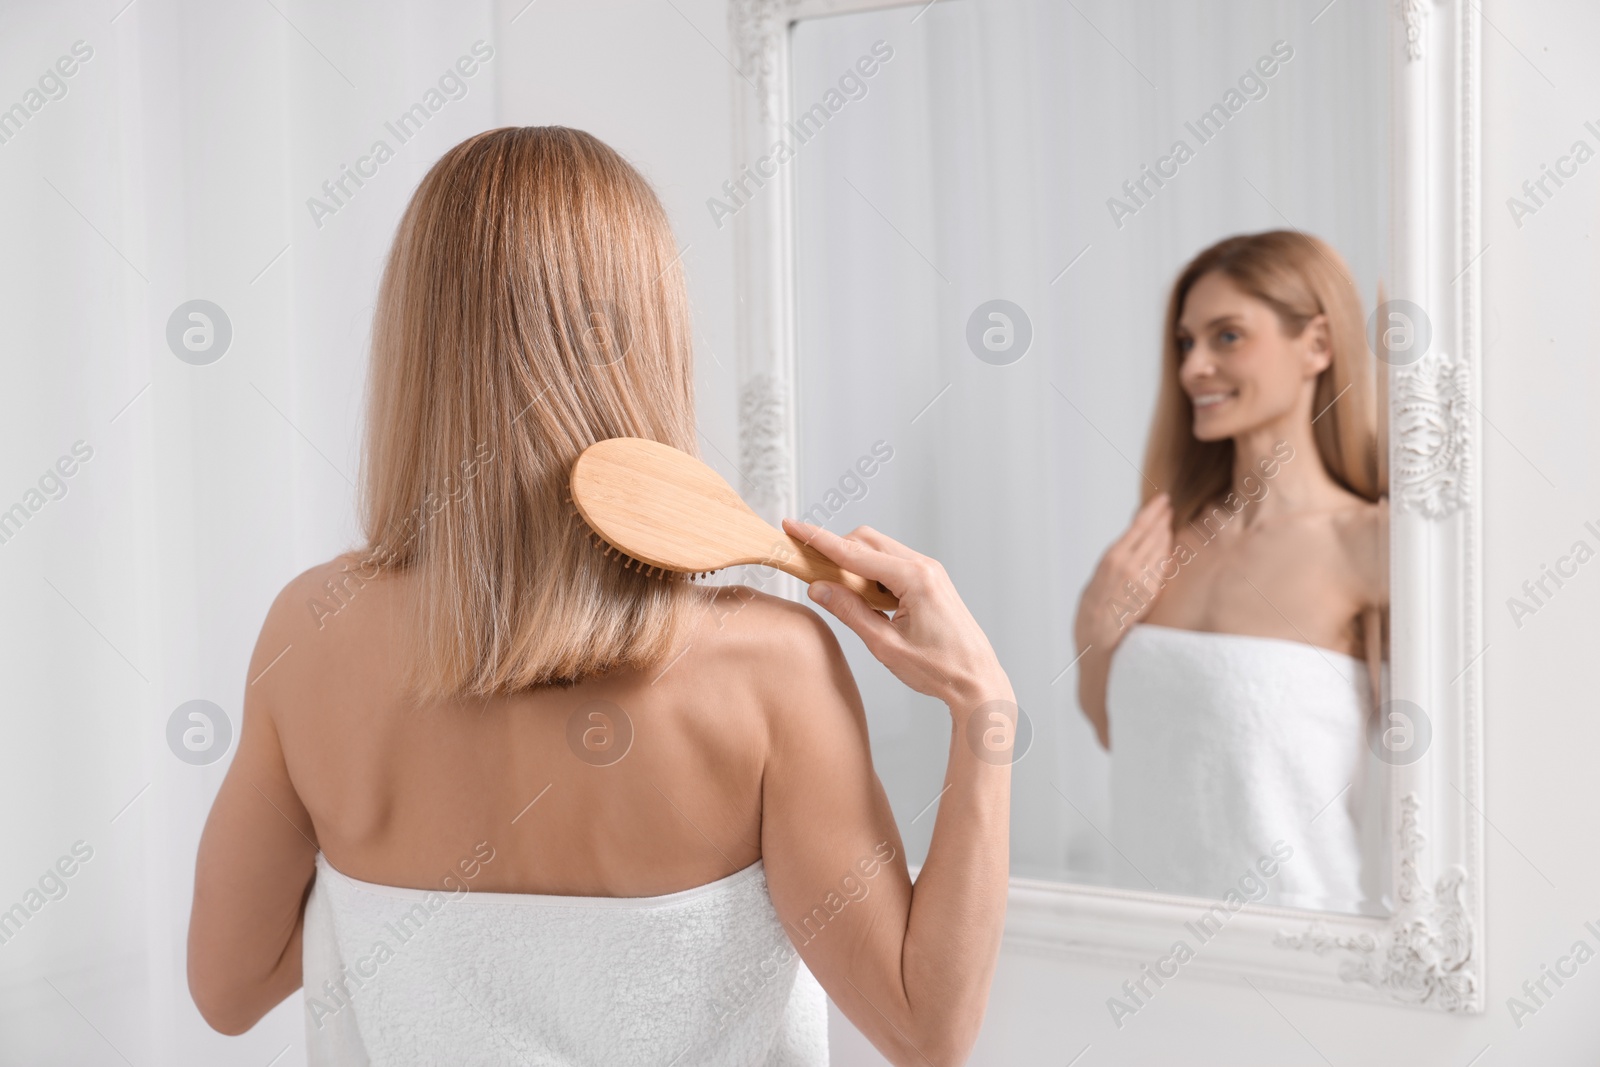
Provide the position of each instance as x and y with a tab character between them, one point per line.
1133	559
933	643
1149	517
855	556
846	605
1162	499
1156	542
1156	513
1151	531
882	542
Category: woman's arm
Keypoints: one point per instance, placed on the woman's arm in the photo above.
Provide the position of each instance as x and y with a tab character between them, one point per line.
1094	676
255	865
910	965
1106	610
1370	552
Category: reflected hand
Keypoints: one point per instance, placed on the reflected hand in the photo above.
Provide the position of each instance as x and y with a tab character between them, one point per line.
932	643
1106	610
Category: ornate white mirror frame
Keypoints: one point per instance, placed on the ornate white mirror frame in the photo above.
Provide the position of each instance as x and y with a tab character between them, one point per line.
1429	953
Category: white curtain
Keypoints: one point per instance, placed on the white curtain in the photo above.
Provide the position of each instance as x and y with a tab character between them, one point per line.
979	165
174	163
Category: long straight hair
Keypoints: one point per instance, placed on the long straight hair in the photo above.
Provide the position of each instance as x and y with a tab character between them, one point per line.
531	305
1299	277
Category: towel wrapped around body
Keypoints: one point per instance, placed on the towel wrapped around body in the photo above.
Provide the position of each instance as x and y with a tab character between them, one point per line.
1223	745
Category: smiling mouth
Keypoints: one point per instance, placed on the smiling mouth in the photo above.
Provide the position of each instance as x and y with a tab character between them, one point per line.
1211	400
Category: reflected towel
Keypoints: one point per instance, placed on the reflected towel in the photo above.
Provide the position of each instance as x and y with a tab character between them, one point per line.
1222	744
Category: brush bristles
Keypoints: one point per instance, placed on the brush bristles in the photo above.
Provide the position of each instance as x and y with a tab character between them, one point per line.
628	562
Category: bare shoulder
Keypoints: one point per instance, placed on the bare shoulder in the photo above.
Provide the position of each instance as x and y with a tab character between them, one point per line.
1359	525
312	618
1346	522
770	632
786	649
1361	531
310	596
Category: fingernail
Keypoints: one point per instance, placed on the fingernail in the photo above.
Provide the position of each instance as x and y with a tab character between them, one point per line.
821	593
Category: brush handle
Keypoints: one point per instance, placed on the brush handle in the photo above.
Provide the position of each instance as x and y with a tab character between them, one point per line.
809	565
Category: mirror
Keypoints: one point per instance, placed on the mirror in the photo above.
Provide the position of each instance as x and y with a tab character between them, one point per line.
907	164
991	210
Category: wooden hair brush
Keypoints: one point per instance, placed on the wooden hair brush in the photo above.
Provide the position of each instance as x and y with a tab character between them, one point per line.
664	511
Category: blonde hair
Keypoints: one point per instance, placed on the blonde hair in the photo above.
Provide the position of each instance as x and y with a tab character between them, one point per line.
530	307
1299	277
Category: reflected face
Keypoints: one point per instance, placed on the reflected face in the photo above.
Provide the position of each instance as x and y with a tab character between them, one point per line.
1239	368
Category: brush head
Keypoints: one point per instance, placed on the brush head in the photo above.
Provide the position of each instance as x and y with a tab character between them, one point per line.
667	510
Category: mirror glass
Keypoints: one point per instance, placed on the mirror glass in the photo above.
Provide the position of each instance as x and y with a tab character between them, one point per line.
993	204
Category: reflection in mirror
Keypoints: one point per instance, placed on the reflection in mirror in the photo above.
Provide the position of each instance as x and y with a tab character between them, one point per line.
1062	322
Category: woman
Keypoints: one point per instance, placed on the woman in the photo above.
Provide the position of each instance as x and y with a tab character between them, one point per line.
498	799
1231	638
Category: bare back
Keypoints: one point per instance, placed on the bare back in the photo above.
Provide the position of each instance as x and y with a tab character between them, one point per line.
638	784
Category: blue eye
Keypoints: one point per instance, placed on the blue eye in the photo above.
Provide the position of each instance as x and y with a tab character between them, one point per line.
1228	337
1184	344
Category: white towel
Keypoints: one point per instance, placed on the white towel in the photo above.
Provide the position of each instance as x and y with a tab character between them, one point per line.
1221	745
703	977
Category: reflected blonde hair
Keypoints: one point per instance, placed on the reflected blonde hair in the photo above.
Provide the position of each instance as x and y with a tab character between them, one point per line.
1299	277
531	306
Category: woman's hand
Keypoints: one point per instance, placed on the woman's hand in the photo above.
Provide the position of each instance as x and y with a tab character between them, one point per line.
932	643
1106	609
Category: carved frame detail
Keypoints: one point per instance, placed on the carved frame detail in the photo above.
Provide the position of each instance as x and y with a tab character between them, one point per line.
1432	416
